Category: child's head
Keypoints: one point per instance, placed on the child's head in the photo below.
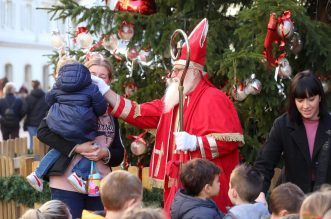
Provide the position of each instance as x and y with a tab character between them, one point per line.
315	205
143	213
63	61
53	209
200	175
285	199
120	189
245	184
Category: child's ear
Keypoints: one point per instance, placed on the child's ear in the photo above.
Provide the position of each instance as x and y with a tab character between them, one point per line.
234	193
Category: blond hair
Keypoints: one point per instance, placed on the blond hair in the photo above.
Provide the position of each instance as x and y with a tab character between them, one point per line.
9	88
316	205
53	209
63	61
143	213
118	187
98	59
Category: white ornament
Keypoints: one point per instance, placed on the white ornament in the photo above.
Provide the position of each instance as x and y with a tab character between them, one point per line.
84	40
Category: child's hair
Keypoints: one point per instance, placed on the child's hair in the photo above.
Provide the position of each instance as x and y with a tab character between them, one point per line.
98	59
53	209
63	61
291	216
143	213
287	196
197	173
315	205
247	181
118	187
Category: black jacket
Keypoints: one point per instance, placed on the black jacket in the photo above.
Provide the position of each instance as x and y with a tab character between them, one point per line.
17	105
36	107
65	147
188	207
290	141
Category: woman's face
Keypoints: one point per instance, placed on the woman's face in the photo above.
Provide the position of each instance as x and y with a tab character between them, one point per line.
101	72
308	107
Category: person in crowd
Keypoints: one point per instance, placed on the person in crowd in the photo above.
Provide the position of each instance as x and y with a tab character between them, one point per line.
36	110
75	103
120	190
301	136
109	153
12	111
53	209
214	135
245	186
200	180
3	82
285	199
22	92
316	205
143	213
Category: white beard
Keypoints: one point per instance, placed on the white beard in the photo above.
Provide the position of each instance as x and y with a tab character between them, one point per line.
171	96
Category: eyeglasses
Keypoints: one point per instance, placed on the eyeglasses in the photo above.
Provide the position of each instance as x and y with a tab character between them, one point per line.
174	72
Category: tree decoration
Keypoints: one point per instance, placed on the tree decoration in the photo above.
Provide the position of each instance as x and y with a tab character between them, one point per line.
57	40
138	6
126	31
296	44
285	26
238	92
83	38
139	145
284	69
130	89
253	86
132	54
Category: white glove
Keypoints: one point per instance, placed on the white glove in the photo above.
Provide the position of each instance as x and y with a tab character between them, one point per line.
103	87
185	141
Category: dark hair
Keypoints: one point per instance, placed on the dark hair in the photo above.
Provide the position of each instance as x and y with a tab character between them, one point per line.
35	84
305	84
197	173
287	196
247	181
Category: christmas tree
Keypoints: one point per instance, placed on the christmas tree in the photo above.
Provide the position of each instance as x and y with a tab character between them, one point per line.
235	59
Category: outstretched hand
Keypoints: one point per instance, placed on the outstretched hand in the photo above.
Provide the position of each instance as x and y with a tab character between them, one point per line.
103	87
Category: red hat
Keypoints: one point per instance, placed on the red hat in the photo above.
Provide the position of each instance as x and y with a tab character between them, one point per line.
198	45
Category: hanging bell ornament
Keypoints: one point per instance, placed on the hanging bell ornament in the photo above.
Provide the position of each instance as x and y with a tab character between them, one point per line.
285	28
138	147
296	44
84	40
284	69
110	43
132	54
146	56
238	92
326	86
57	40
253	86
126	31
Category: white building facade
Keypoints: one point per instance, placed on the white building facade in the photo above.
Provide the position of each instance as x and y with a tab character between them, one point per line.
25	33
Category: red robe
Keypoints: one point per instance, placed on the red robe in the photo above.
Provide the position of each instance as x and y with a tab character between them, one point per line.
208	114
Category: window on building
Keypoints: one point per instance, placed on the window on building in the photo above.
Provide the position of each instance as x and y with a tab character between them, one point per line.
9	72
46	76
28	75
9	14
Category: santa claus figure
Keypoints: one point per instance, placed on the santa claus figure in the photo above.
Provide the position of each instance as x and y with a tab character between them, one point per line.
212	129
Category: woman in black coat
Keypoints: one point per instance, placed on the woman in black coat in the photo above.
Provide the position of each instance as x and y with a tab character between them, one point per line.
301	136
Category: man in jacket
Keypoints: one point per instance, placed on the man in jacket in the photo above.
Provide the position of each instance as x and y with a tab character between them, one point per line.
36	110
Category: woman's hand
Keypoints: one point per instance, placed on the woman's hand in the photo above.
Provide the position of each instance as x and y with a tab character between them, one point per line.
96	155
86	147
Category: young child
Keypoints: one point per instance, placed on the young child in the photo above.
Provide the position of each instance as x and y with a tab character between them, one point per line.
75	103
285	199
119	190
244	187
316	204
200	179
51	209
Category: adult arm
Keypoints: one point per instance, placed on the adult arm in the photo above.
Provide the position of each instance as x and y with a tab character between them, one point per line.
269	154
65	147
